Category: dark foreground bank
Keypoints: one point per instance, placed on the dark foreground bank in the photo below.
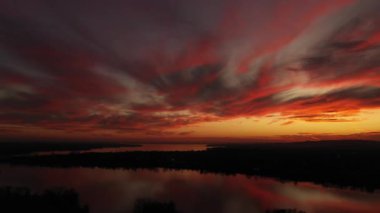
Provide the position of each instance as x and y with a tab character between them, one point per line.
21	200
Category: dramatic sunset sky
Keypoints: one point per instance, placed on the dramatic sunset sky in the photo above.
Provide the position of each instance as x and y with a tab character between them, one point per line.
283	70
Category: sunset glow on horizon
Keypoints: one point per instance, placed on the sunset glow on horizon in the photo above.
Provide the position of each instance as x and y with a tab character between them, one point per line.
189	71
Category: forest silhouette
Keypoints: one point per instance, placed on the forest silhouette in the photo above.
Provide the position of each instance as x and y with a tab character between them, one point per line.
347	164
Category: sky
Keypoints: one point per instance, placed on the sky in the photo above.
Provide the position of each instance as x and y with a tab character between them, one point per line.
150	70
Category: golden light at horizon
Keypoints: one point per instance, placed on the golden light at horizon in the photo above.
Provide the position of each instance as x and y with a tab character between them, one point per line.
365	121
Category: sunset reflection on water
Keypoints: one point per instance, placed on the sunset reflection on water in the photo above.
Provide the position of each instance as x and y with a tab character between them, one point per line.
106	190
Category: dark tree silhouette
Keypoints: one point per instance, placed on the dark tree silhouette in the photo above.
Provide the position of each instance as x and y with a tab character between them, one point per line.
284	211
150	206
21	200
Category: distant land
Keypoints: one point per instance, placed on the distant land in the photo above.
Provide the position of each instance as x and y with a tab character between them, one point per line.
19	147
347	164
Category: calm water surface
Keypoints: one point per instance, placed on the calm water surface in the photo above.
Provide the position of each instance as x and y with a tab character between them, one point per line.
115	191
144	147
